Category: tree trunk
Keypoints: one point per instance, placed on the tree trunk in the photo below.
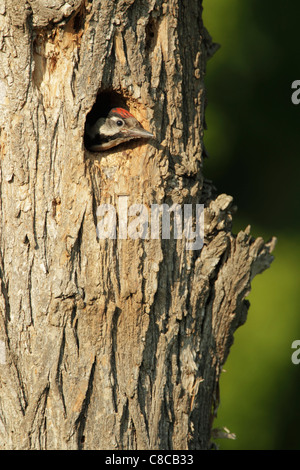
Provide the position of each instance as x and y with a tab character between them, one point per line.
110	343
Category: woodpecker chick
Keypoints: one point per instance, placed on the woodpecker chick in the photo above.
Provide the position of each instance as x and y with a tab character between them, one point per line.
118	127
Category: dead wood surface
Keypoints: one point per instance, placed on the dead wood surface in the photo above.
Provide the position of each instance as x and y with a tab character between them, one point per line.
118	343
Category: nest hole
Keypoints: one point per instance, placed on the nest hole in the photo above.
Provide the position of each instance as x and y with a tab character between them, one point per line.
105	101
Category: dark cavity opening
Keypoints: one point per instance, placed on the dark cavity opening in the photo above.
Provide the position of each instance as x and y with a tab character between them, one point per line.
105	101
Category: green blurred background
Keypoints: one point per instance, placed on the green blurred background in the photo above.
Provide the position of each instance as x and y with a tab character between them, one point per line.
253	143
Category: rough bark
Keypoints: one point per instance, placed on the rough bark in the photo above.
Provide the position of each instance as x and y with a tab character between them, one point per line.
117	343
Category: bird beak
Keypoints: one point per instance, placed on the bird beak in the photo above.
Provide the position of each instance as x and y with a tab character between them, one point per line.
141	133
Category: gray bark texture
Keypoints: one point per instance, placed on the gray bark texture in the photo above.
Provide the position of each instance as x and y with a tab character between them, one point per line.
110	343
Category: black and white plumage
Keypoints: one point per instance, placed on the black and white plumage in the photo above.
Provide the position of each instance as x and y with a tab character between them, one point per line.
117	128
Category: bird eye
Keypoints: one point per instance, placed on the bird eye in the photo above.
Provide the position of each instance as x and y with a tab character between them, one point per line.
120	123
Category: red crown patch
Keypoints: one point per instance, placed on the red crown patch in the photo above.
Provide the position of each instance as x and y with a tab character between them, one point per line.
121	112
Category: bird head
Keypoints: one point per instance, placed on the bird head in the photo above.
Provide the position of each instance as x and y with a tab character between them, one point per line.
118	127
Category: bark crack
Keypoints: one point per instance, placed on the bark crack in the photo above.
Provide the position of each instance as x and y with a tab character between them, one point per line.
80	422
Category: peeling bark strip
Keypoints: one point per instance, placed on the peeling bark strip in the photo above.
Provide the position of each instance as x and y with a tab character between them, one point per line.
115	343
